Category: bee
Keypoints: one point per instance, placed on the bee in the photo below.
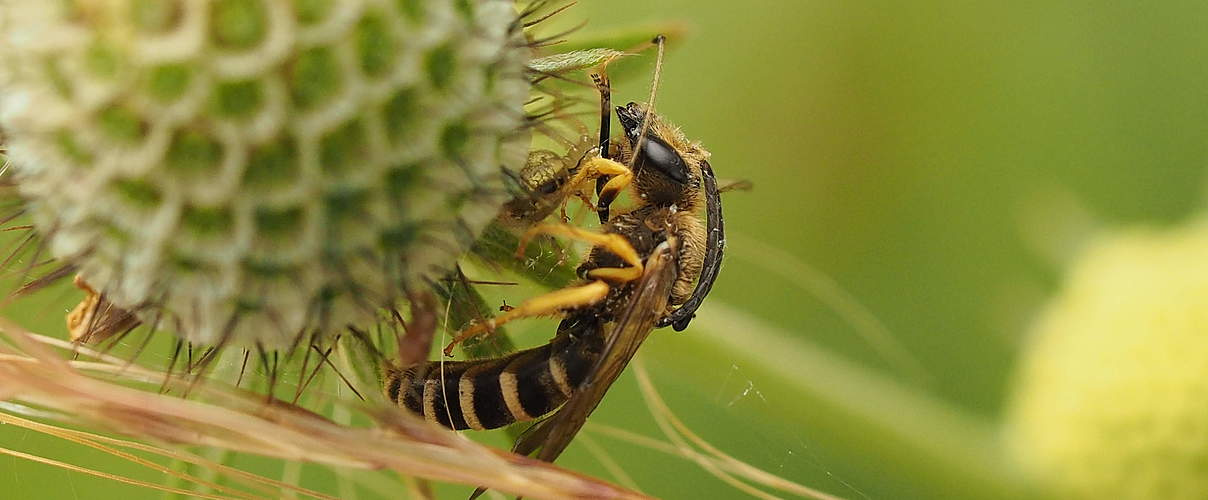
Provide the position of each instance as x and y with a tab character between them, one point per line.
650	266
549	180
546	184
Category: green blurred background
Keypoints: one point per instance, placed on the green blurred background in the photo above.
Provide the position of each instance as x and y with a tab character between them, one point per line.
936	159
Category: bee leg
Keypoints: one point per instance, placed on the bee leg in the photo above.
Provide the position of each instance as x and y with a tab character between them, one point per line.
613	188
583	197
544	305
604	87
598	167
594	168
567	298
586	199
611	242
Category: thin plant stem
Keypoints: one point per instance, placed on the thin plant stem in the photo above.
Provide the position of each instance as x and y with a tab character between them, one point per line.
863	412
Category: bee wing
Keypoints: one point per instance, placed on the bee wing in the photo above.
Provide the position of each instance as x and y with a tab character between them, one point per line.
633	325
715	248
727	185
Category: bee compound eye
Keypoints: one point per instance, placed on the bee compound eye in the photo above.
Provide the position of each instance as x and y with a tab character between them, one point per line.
548	187
658	154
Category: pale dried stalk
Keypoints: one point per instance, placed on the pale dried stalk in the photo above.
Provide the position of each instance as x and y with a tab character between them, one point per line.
103	392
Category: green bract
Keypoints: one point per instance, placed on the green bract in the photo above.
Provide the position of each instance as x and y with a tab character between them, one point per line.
246	169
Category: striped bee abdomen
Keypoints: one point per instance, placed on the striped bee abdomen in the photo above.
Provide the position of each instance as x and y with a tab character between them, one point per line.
492	393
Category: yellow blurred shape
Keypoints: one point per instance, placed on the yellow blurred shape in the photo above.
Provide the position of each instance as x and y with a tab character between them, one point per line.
1111	398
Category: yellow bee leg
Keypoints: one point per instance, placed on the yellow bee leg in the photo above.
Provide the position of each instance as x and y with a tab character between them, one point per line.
614	243
614	187
544	305
604	166
616	274
596	167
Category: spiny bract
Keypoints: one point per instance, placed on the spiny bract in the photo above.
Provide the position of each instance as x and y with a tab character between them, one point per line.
1112	401
242	170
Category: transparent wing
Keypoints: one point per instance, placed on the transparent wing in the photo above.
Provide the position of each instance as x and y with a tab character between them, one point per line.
633	325
715	247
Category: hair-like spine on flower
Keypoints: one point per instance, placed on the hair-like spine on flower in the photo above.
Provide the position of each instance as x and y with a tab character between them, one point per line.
245	171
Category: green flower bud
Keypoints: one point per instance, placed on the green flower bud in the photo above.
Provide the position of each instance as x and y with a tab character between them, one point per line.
243	170
1112	398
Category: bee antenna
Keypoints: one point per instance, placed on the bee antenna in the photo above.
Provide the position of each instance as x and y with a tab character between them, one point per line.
660	43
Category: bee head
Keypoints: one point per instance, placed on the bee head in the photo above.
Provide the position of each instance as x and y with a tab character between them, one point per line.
655	153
